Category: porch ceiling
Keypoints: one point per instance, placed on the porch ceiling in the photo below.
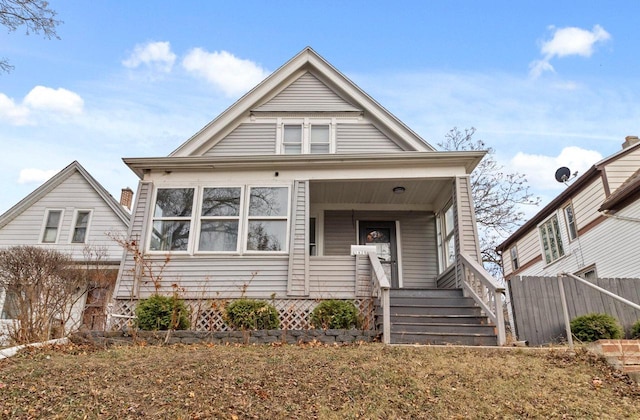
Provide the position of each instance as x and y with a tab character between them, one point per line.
378	192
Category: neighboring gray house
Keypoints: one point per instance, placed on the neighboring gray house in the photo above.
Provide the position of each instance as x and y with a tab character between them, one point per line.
69	212
268	200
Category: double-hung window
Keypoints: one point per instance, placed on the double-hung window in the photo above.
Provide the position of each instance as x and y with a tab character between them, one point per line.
571	222
515	264
172	219
267	218
80	227
551	240
52	226
306	136
220	219
446	239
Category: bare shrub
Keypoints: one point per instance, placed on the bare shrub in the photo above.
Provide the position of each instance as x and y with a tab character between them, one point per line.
41	288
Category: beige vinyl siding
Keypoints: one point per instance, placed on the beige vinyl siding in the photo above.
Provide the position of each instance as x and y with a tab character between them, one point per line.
307	94
529	247
448	279
467	230
417	237
586	203
332	277
363	138
622	168
74	193
298	263
247	139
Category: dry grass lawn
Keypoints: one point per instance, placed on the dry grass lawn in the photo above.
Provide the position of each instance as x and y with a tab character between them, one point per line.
311	381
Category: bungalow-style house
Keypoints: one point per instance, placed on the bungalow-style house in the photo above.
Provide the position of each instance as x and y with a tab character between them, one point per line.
307	189
589	230
74	214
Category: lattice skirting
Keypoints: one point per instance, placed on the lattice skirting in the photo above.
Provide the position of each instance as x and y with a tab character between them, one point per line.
207	315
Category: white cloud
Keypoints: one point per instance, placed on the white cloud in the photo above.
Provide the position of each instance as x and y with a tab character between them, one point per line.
57	100
565	42
155	55
230	74
32	175
540	169
13	113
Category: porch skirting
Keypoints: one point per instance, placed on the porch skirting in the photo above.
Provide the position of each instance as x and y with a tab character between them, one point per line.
207	314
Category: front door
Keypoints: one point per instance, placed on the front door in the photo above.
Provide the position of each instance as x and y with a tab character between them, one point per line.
383	236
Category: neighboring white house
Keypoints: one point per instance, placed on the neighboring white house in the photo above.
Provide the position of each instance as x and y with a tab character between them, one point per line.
69	212
591	229
267	200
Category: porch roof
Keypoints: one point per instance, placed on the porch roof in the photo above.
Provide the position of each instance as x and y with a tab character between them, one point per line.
459	159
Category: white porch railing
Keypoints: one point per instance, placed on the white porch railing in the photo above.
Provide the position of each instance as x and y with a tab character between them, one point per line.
483	288
381	286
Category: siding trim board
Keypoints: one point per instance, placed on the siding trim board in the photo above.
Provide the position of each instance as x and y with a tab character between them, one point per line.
525	266
591	225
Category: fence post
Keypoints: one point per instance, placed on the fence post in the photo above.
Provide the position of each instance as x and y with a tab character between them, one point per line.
565	311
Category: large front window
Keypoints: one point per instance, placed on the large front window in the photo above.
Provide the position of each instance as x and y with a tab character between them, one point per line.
223	216
172	219
551	240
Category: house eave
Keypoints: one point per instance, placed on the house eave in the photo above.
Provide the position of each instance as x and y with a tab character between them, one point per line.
571	190
464	159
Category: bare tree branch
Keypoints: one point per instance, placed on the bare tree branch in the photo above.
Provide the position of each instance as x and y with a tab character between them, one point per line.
34	15
498	196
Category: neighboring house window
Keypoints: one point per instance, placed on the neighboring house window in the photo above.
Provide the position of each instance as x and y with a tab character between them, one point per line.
267	218
446	239
220	219
514	258
10	306
571	222
551	240
81	224
313	249
306	136
588	273
172	219
52	226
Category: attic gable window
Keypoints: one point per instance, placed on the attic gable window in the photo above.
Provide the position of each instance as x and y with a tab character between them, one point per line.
79	235
305	136
53	218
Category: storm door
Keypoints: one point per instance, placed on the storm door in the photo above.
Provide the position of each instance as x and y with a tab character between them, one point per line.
383	236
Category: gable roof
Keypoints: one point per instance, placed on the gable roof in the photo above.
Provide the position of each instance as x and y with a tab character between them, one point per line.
56	180
592	173
305	62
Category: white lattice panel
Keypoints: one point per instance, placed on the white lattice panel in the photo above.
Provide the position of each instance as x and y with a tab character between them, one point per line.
208	315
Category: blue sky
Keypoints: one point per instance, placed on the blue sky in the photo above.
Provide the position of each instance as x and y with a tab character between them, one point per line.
546	84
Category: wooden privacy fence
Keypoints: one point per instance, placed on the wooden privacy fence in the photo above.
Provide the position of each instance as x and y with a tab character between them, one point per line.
537	309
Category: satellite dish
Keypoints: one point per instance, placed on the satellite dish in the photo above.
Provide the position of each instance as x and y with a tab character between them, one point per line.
562	174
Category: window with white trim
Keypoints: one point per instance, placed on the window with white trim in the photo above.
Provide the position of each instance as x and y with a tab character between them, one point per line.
570	218
551	239
515	264
80	226
267	218
9	304
588	273
226	217
220	219
446	239
306	136
171	223
53	218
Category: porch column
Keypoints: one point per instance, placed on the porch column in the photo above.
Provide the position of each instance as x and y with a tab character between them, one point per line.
298	276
